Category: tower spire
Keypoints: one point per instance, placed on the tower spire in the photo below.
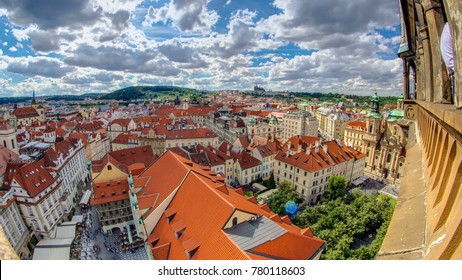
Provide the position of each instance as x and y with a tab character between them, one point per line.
33	97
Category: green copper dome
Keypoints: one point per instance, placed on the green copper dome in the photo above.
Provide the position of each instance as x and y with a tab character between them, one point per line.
273	120
372	114
374	111
251	121
395	115
375	97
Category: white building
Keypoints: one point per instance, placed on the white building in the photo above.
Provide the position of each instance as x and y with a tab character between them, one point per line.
8	137
336	123
69	162
13	225
299	123
38	195
309	169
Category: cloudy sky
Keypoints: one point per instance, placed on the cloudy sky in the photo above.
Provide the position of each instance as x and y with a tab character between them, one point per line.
80	46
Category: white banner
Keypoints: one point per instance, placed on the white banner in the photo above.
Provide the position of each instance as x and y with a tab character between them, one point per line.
141	270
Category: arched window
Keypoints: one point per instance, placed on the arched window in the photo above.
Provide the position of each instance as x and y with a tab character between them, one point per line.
388	157
109	167
4	143
12	143
370	128
234	221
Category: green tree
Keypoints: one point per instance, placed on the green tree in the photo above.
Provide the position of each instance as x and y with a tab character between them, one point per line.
284	194
336	188
271	183
346	224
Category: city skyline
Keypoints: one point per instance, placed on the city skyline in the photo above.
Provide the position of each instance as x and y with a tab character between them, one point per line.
100	46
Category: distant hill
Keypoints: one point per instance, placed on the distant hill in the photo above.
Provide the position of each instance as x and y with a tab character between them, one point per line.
148	92
28	99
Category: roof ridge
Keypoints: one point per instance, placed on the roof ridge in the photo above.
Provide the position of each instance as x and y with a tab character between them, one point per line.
215	190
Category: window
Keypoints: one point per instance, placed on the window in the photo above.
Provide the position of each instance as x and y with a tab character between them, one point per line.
109	167
234	221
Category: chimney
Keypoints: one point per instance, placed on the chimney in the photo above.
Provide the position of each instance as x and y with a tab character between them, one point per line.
324	147
317	149
308	151
289	145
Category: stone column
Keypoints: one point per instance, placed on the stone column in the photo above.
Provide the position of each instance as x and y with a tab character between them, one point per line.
435	24
406	79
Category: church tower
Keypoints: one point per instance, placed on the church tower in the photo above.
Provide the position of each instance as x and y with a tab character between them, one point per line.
34	102
373	133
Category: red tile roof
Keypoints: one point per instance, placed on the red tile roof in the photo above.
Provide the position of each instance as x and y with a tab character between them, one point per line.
142	154
247	161
203	206
190	133
5	126
311	163
126	157
109	192
10	170
121	122
193	111
33	178
80	136
358	125
301	142
126	138
6	155
25	112
336	152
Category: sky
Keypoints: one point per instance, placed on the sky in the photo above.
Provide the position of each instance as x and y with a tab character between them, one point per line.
58	47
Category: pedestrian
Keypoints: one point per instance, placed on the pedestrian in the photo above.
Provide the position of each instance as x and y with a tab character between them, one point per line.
447	52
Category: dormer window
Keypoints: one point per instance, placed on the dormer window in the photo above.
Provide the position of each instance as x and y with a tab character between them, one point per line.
170	214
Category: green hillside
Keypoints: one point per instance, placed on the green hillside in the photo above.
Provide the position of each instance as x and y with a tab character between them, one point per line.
148	92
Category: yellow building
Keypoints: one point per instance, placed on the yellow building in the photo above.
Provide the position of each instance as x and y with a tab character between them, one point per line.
309	169
27	115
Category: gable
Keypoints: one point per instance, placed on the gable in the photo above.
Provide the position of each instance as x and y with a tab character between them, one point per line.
110	172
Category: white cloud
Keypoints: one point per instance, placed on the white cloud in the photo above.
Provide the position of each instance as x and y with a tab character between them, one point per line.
108	49
187	16
38	66
318	24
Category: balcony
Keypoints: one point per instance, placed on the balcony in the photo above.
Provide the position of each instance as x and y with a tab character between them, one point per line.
427	222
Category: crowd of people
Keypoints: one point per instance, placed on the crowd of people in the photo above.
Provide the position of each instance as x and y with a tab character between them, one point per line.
89	250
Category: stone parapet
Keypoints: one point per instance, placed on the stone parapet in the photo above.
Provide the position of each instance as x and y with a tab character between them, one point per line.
427	222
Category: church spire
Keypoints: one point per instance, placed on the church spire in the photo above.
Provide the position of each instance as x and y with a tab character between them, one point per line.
374	112
33	98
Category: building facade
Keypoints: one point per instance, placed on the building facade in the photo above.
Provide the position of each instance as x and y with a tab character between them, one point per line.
13	225
8	137
40	197
309	169
299	123
68	161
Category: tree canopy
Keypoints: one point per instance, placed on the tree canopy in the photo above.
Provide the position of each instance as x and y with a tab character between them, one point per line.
336	188
353	227
284	194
